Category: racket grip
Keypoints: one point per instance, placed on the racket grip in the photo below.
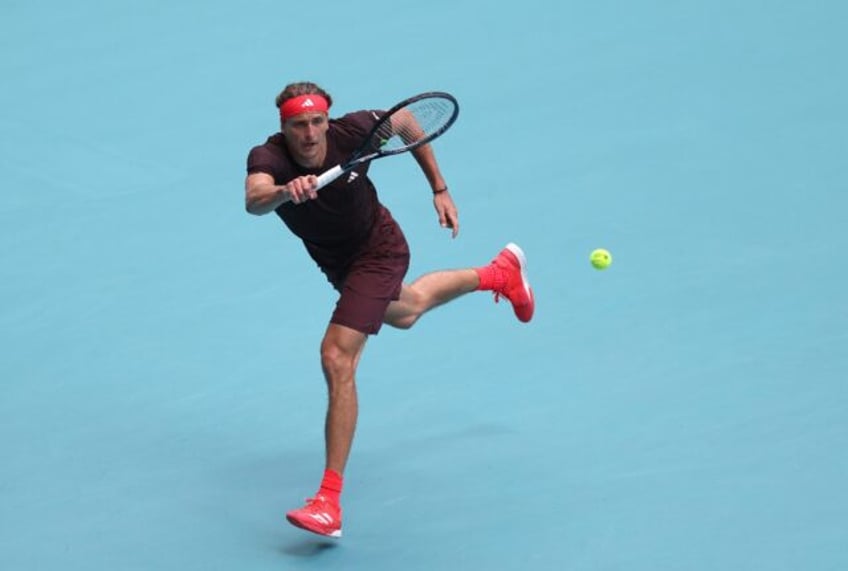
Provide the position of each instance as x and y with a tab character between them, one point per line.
329	176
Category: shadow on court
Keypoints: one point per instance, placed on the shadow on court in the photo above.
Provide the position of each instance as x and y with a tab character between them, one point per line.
308	547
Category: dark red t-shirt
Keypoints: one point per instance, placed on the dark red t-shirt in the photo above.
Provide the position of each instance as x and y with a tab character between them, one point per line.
334	226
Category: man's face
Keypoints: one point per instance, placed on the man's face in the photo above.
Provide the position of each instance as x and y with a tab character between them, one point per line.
306	137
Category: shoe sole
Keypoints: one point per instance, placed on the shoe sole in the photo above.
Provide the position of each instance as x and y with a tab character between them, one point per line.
334	534
522	264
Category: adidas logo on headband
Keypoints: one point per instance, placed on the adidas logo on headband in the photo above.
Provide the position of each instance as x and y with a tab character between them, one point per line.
311	103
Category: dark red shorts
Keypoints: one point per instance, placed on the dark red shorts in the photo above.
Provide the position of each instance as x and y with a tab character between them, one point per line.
374	278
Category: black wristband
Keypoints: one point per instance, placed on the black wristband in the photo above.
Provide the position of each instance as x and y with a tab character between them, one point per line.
440	190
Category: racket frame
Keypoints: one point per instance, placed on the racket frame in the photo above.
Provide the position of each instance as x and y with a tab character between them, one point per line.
357	158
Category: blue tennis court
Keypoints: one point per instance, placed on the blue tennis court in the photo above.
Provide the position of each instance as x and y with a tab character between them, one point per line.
161	399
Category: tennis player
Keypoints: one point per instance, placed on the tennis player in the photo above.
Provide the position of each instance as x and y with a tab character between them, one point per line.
362	251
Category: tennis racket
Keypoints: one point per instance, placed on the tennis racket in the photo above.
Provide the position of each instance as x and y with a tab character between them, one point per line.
406	126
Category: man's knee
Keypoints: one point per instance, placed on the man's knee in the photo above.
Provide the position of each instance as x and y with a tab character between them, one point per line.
333	358
405	322
339	355
406	311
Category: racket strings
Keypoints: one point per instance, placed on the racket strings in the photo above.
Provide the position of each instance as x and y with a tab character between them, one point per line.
421	119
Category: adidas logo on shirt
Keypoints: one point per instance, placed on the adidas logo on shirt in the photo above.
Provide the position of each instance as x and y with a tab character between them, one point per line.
352	177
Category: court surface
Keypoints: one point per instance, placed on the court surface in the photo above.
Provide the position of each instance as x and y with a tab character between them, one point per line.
161	404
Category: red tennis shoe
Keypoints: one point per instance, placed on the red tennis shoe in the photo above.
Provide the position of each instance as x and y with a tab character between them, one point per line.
511	281
319	515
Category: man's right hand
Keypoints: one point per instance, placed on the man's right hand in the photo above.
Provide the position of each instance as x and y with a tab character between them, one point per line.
263	196
302	188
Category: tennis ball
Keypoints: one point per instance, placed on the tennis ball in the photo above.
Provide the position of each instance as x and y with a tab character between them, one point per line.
600	258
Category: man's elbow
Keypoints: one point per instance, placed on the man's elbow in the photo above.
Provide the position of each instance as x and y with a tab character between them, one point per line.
252	208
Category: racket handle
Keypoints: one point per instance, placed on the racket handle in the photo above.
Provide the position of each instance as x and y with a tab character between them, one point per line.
329	176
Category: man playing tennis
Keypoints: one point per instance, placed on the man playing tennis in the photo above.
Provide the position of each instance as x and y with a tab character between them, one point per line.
362	251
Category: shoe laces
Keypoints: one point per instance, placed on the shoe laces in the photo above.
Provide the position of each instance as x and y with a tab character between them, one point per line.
318	503
502	272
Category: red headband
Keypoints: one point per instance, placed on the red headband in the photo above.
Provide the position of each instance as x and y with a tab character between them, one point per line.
310	103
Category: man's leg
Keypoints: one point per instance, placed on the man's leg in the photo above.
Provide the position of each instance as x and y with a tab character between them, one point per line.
506	275
340	352
427	292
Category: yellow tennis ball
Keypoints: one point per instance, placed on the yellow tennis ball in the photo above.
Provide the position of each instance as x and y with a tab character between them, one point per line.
600	258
